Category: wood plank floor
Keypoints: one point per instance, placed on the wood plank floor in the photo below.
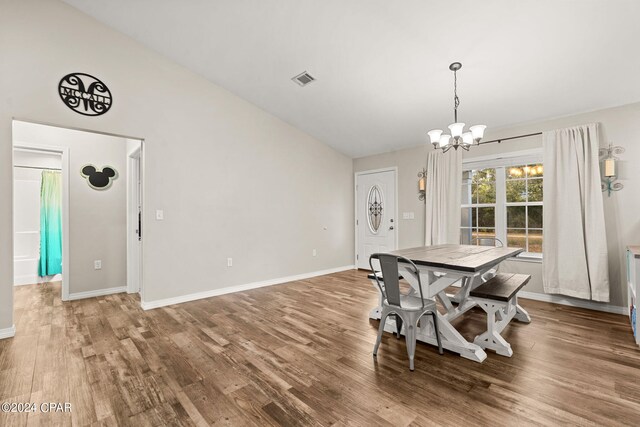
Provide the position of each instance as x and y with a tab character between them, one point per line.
300	354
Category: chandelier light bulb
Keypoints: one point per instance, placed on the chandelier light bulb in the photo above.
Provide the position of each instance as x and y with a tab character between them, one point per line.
478	132
456	129
434	135
444	140
467	138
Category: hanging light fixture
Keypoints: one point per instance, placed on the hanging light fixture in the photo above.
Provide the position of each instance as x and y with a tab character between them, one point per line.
458	136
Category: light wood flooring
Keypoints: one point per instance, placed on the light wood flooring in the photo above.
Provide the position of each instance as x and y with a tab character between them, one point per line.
300	354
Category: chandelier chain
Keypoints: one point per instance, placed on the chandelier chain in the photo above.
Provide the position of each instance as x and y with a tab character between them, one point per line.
456	100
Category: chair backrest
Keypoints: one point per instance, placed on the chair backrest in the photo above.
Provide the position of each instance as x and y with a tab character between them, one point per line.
391	276
487	241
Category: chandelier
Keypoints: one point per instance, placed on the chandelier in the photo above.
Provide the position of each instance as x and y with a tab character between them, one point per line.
458	137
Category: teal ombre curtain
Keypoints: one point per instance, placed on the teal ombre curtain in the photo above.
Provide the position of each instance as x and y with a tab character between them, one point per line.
50	224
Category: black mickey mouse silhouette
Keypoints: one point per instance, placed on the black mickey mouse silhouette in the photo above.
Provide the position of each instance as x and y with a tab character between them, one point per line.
99	180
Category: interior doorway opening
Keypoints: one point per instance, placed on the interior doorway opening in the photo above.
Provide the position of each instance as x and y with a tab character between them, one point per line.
72	195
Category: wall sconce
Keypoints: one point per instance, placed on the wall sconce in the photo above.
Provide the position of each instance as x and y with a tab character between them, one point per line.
609	183
422	185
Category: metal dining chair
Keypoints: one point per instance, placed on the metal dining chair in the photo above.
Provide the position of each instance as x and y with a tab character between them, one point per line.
488	241
408	309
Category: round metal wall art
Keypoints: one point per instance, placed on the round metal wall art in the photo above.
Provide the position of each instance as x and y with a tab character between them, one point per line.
85	94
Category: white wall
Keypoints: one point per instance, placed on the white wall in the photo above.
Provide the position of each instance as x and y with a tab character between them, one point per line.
620	125
97	218
233	180
26	208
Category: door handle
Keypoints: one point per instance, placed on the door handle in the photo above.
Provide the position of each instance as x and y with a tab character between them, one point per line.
391	228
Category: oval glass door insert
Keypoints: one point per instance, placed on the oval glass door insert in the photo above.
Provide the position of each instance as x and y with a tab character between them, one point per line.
375	208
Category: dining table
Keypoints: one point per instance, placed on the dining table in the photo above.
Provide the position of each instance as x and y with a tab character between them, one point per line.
442	270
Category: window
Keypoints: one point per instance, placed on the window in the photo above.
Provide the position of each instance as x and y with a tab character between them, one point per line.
478	204
503	199
524	207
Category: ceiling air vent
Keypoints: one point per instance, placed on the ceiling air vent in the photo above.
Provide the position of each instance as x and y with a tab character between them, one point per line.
303	79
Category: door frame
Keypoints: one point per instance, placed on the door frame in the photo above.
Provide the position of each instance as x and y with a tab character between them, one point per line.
64	152
66	195
134	157
393	169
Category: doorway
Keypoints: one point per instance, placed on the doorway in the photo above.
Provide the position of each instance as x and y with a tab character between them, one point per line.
376	214
40	211
94	209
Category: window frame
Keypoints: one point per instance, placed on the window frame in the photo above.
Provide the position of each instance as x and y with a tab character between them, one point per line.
500	163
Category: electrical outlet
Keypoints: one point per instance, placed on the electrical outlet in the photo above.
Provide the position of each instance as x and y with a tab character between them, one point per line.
97	264
314	253
229	262
159	215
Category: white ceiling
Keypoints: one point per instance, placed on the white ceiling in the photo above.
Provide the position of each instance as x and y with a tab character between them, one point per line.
382	65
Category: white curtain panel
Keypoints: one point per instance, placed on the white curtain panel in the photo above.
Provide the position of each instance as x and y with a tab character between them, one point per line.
575	242
443	197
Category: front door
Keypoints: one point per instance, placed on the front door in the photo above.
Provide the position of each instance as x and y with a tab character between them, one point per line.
376	209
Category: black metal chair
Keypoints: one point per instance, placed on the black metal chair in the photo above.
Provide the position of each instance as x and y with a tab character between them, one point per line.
407	308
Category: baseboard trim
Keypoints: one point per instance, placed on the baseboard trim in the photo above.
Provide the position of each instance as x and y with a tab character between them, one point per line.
590	305
97	293
35	280
8	332
149	305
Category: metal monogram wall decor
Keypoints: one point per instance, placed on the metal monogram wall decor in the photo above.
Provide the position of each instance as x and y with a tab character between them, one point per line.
85	94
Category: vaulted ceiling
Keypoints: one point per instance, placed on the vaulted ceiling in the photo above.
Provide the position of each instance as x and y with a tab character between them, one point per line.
382	66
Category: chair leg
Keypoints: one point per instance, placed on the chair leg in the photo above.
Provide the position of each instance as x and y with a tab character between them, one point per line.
437	331
410	335
383	319
398	326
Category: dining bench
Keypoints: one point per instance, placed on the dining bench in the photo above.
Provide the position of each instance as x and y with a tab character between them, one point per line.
498	297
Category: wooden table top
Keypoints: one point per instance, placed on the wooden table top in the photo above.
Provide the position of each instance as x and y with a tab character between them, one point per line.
469	258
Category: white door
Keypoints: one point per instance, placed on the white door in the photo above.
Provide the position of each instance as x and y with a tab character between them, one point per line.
375	210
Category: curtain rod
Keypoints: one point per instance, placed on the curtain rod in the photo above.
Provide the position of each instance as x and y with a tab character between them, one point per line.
511	137
35	167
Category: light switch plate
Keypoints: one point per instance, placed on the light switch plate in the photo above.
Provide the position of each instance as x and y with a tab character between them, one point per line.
408	215
159	215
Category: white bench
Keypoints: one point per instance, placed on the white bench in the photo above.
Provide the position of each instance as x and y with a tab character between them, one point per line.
498	297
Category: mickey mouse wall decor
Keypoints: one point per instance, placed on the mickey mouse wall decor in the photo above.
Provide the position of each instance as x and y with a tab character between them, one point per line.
99	179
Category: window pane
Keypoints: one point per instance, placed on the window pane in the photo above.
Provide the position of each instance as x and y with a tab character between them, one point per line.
486	217
516	216
466	217
535	190
465	236
466	194
484	186
515	172
516	238
535	217
474	217
516	191
535	170
535	241
486	192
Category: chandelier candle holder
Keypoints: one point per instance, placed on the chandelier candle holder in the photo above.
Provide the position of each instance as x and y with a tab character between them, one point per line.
458	137
422	185
607	155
